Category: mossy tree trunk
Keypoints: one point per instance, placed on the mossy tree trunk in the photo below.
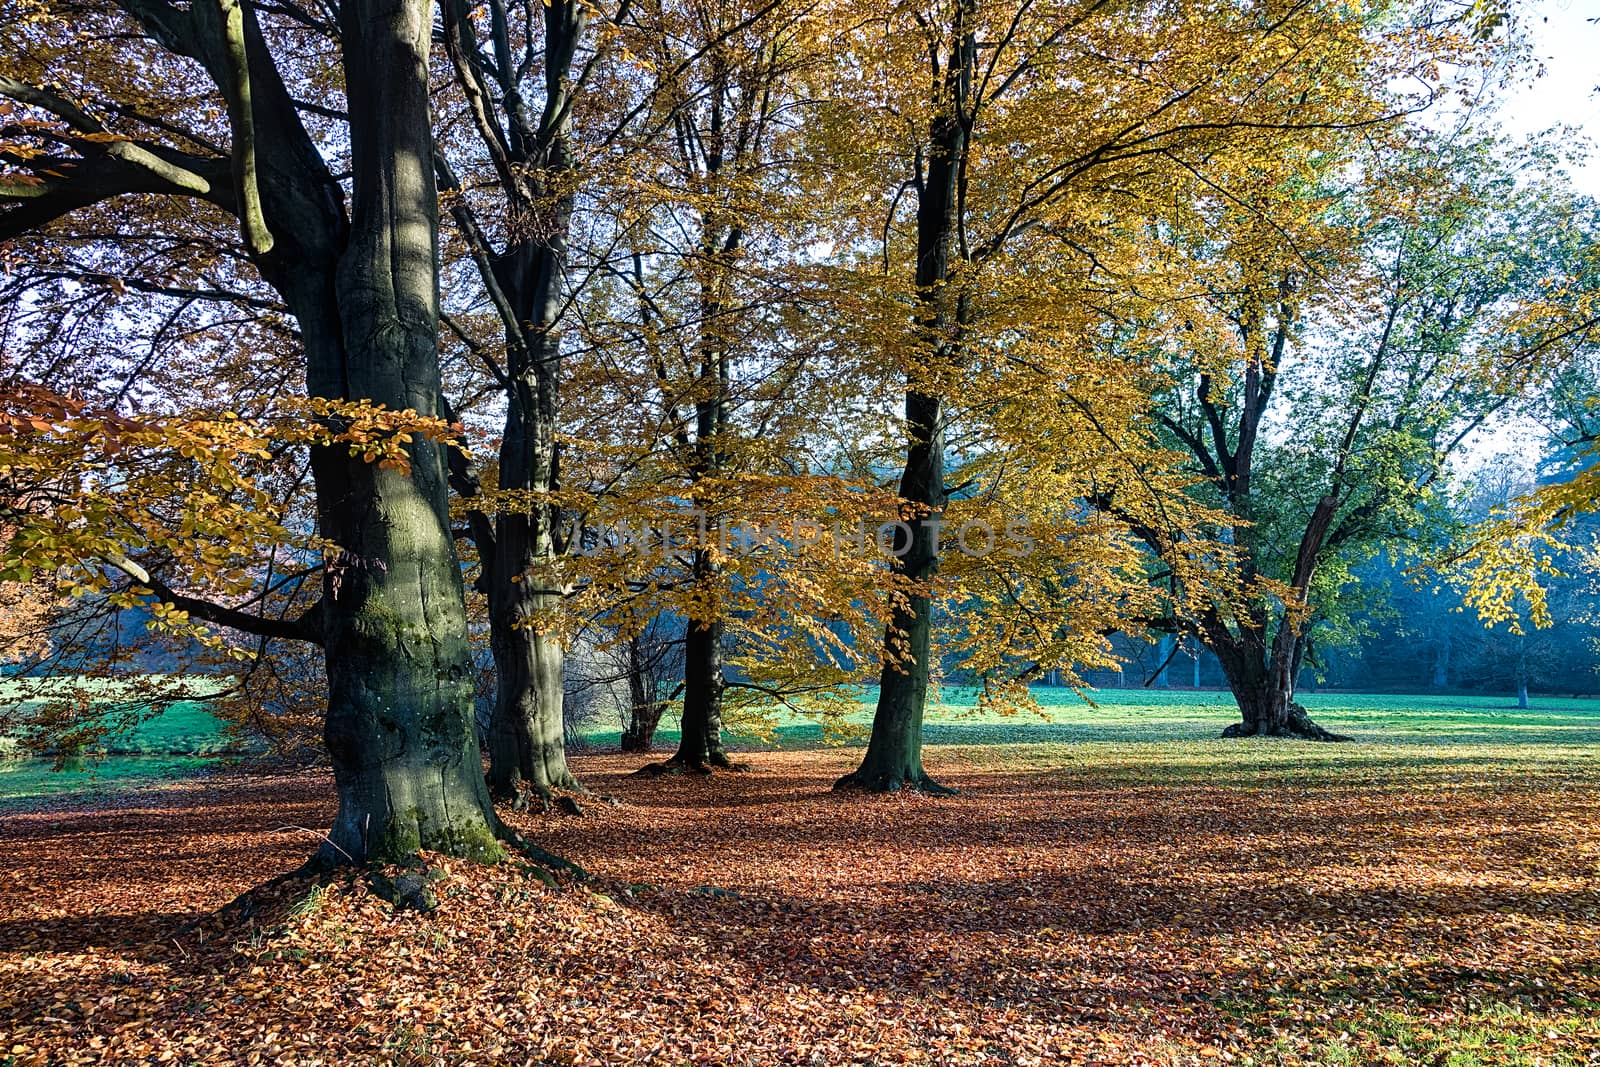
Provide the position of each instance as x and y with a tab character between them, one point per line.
363	289
399	726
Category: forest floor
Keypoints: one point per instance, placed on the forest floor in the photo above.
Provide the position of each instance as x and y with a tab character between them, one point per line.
1165	903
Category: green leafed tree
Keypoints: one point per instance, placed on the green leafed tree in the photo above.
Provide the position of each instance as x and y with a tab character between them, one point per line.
1325	386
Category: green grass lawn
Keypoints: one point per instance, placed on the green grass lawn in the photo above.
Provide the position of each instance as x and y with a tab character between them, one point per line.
26	781
1123	735
179	740
1130	715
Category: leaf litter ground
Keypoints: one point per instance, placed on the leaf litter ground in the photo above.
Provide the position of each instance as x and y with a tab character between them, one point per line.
1280	906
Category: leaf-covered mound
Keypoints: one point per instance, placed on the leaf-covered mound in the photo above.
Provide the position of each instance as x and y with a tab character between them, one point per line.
1261	911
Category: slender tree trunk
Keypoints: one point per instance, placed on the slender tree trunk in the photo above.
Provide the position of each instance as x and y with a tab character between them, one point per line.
1164	650
527	741
1522	670
526	733
894	752
1441	662
644	711
399	724
700	748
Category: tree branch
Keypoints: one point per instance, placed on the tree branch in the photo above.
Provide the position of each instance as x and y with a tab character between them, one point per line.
305	627
252	222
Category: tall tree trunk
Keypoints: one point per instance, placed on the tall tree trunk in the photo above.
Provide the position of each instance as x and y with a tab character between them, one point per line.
399	725
700	747
527	282
364	291
527	740
894	752
700	740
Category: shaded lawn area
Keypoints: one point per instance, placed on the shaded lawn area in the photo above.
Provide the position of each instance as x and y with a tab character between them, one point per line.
1099	902
184	738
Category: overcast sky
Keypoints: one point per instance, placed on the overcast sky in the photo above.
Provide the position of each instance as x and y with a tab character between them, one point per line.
1569	44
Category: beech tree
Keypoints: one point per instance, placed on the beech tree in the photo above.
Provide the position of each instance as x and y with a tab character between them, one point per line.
706	393
978	175
358	273
712	284
519	91
588	129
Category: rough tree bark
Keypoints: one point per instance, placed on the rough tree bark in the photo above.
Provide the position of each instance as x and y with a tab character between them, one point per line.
363	288
1263	685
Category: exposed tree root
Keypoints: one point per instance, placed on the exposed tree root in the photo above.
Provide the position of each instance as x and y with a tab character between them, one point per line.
1299	725
677	765
523	793
544	859
408	885
891	782
410	889
270	902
